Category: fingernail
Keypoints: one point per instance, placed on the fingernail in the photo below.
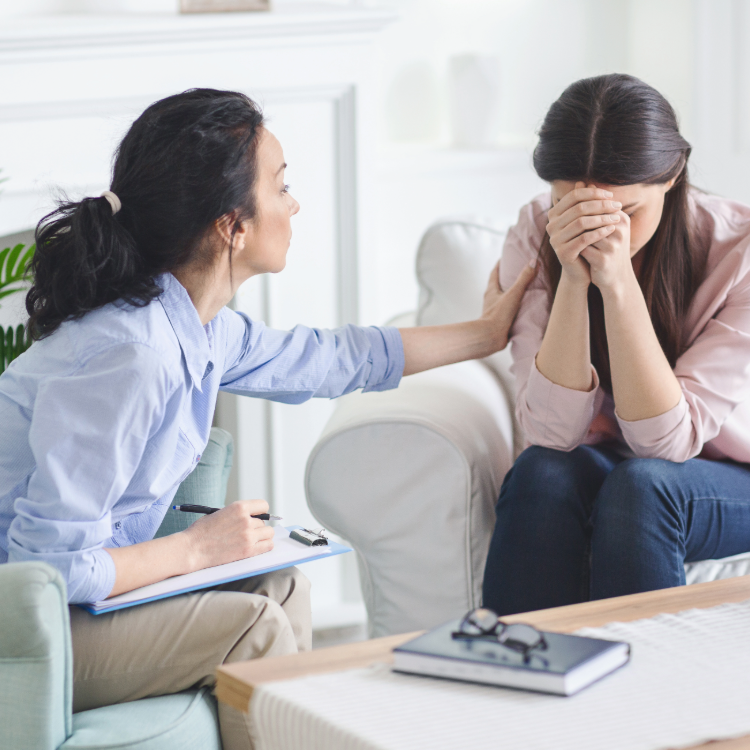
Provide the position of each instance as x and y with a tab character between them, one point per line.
532	263
614	217
608	194
616	205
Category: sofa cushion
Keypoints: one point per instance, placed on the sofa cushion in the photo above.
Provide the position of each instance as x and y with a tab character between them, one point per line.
454	261
713	570
187	721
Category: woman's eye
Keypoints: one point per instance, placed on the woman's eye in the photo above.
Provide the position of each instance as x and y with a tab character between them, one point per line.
286	189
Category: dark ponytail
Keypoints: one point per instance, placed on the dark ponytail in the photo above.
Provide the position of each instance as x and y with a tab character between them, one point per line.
617	130
186	161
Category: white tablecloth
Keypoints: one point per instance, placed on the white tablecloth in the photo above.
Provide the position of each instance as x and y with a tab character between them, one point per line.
688	682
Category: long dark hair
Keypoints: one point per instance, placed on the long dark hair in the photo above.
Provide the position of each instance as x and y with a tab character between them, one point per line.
618	130
185	162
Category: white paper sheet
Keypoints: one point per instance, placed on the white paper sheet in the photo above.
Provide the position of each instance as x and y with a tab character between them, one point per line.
285	553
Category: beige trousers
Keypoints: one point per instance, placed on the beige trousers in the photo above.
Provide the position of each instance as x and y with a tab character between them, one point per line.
174	644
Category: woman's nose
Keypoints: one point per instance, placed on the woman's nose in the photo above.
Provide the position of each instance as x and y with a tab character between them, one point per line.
294	207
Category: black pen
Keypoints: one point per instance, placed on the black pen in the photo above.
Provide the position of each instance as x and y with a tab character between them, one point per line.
206	510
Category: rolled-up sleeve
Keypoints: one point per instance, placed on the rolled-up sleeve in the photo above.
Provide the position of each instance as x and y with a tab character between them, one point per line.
714	374
549	414
88	432
555	416
294	366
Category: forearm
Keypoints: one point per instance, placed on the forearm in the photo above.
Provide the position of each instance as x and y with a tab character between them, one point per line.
564	357
149	562
433	346
643	383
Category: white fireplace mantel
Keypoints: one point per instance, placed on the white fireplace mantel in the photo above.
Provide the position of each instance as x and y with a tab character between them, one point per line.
66	36
71	85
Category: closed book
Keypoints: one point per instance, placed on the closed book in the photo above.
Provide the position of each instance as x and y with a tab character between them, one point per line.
568	664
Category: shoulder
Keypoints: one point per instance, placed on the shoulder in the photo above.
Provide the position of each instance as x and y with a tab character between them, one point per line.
524	239
125	335
532	219
723	228
722	215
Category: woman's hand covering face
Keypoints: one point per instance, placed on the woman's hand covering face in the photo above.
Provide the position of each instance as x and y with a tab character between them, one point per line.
582	218
609	259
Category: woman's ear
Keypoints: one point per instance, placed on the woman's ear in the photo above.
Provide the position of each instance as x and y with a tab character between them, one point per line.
669	185
224	226
241	235
229	228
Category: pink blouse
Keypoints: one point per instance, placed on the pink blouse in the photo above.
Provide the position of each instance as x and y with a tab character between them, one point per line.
713	416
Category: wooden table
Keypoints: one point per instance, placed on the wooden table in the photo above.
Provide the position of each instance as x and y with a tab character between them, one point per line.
235	682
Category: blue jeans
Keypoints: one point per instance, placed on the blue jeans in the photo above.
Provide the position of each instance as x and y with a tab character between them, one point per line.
589	525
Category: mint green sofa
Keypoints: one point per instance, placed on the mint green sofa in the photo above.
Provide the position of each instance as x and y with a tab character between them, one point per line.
36	671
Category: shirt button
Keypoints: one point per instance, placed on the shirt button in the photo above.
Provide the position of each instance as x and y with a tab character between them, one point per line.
198	458
118	524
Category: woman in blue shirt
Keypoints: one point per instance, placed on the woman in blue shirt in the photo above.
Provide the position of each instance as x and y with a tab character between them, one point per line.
110	409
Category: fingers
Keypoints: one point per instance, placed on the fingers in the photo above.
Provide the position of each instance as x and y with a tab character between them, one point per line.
511	300
566	232
247	539
586	208
252	507
571	250
580	195
527	275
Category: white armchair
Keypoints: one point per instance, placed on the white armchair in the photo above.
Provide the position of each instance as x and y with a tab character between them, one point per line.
410	477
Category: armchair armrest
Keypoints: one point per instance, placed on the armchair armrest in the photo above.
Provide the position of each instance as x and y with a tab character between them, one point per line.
36	673
410	478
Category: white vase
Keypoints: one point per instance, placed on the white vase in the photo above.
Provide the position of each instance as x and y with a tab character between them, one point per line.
474	100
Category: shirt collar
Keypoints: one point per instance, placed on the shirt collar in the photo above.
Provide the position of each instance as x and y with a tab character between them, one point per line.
187	327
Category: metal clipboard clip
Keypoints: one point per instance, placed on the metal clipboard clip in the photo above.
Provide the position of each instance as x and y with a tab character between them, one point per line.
310	538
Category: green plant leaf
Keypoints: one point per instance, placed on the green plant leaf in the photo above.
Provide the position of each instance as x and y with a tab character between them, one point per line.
13	343
14	268
3	256
13	264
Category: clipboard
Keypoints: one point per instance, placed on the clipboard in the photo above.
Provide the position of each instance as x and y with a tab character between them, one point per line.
285	553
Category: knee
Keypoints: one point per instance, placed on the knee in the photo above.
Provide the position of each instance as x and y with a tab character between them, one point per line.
636	493
293	585
541	478
291	589
267	632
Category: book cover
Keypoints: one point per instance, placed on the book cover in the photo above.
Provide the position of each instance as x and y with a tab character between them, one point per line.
568	664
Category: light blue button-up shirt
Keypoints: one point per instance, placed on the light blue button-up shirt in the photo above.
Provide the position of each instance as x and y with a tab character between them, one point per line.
100	422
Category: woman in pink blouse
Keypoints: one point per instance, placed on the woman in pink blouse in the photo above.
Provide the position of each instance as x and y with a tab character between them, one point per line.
631	353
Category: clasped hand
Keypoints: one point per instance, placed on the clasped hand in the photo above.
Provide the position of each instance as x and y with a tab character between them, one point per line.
590	235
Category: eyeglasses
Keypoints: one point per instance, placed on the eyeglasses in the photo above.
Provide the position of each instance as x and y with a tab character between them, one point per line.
484	624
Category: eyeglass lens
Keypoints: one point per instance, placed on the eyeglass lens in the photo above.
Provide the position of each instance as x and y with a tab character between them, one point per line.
484	620
520	637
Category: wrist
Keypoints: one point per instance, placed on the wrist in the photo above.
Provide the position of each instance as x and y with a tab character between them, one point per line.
621	290
488	338
190	550
575	282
